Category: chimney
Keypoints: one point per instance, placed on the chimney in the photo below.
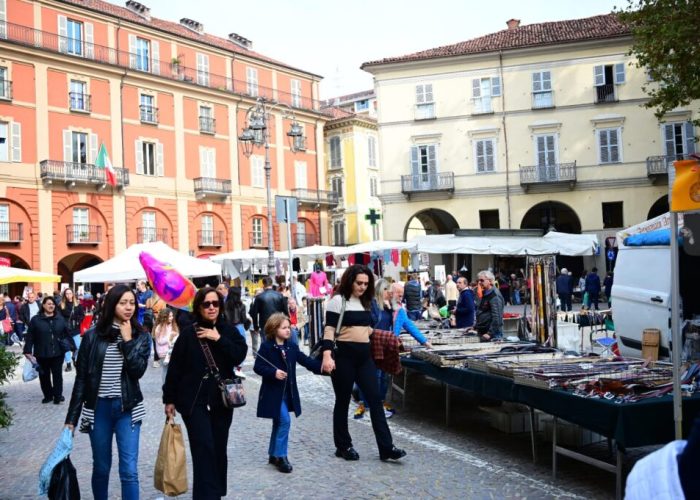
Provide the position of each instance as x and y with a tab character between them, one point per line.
240	40
139	9
195	26
513	23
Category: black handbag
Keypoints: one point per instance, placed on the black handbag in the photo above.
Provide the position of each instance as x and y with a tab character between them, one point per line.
231	389
317	351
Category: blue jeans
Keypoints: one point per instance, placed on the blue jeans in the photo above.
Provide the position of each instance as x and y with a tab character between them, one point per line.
516	297
294	337
415	315
280	433
68	358
110	420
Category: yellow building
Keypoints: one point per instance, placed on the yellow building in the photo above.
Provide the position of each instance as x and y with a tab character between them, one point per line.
351	144
534	127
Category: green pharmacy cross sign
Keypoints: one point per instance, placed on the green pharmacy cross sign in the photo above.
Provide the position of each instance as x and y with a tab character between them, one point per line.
373	217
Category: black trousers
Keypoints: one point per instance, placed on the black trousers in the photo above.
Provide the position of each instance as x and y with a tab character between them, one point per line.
354	365
51	369
207	431
565	299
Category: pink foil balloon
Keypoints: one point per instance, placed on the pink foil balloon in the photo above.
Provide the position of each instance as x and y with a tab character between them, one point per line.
168	283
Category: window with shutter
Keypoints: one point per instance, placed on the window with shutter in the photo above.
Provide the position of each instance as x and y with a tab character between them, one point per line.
74	37
483	90
372	151
609	145
296	93
619	73
257	174
148	158
689	138
160	160
203	69
5	85
143	54
257	225
300	174
252	81
149	227
678	139
79	145
16	141
605	78
336	158
485	155
425	105
542	90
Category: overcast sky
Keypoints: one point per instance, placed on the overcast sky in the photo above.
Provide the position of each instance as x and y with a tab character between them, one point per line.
332	38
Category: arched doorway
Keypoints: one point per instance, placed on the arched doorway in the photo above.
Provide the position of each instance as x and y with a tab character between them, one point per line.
74	262
14	288
659	207
430	221
556	216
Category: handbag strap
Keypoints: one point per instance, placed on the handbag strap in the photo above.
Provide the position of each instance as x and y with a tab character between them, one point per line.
340	320
210	359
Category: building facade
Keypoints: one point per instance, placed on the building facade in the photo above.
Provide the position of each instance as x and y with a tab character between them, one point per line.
534	127
351	142
168	101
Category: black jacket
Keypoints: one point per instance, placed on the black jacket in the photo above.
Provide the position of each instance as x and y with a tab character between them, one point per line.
264	305
74	317
88	374
43	334
412	296
185	383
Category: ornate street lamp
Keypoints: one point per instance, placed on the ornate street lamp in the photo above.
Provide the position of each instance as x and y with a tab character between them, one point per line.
257	133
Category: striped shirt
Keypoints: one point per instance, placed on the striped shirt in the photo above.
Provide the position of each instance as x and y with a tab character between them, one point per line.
357	321
111	386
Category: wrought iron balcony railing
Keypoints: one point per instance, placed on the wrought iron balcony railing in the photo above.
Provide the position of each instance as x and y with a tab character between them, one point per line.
11	232
425	183
71	173
80	102
171	69
148	114
208	186
207	125
548	174
151	234
257	240
543	99
605	93
83	234
210	238
316	198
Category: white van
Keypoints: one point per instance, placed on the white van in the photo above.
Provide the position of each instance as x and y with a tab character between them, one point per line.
641	295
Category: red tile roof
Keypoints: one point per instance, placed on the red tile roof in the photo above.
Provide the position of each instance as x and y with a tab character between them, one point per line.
531	35
337	113
365	94
176	29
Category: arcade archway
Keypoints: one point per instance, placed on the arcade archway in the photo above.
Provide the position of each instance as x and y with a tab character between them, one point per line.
14	288
430	221
74	262
659	207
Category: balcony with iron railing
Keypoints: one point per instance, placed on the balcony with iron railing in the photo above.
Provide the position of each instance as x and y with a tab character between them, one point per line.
301	240
543	99
315	198
11	232
210	238
173	69
83	234
5	90
425	111
80	102
605	93
207	125
148	114
553	174
443	182
151	234
209	187
482	105
658	166
257	240
71	174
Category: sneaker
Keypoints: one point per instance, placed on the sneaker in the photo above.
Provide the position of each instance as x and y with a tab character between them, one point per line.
388	414
238	373
360	412
156	364
389	409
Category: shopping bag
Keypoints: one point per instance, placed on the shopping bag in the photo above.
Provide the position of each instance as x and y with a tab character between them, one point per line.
64	482
29	372
586	300
60	452
170	474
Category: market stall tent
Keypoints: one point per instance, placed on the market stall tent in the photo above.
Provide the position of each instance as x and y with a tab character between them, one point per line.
375	246
17	275
126	266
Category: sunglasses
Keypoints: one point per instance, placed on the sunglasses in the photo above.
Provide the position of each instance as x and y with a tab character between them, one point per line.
210	303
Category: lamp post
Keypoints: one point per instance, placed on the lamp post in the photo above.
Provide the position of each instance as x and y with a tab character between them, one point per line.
256	133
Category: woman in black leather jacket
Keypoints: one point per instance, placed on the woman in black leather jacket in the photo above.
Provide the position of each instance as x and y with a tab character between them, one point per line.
190	388
113	357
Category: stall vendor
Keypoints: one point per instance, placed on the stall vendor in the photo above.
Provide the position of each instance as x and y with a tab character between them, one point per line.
489	310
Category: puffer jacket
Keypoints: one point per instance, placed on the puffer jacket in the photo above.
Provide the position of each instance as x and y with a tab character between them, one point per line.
43	335
88	366
412	296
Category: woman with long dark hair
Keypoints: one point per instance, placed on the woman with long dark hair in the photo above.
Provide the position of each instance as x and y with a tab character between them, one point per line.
192	390
73	314
353	361
113	357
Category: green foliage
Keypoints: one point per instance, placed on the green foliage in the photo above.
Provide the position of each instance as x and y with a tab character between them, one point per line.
666	42
8	363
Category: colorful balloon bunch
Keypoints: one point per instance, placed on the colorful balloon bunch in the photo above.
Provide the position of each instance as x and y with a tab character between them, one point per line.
168	282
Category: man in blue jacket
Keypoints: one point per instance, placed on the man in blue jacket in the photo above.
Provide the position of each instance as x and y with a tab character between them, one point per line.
464	312
593	287
564	289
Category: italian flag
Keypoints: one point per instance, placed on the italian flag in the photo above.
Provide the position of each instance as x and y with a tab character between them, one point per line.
103	161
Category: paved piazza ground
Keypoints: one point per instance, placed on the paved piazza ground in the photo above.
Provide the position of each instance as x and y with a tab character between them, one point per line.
466	460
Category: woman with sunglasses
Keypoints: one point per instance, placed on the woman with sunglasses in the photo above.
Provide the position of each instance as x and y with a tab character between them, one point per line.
190	389
353	361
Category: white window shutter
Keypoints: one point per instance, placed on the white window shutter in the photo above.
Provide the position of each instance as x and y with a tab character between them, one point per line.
89	41
132	51
603	146
689	138
67	146
599	75
614	145
160	167
139	157
669	142
546	80
489	155
496	86
428	88
93	148
3	18
420	96
476	87
155	62
62	34
479	154
536	82
415	162
16	141
432	159
620	73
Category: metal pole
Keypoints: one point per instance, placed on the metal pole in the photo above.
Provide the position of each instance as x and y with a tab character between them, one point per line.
676	330
268	175
289	244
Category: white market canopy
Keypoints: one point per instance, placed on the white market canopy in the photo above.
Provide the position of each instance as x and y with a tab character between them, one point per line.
552	243
375	246
127	267
248	255
17	275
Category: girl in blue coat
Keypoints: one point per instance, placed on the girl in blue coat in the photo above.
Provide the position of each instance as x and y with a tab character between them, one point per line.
276	363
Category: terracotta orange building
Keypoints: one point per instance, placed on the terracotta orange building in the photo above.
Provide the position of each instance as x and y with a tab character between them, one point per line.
168	101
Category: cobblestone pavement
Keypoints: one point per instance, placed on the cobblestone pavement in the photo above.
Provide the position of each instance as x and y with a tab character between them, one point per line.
466	460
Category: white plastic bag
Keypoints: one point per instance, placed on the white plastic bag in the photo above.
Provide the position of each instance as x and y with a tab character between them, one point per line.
29	372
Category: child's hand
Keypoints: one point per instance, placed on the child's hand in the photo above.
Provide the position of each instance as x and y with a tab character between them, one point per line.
280	375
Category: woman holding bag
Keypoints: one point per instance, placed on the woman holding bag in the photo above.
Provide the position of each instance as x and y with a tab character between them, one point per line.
192	390
73	314
113	357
